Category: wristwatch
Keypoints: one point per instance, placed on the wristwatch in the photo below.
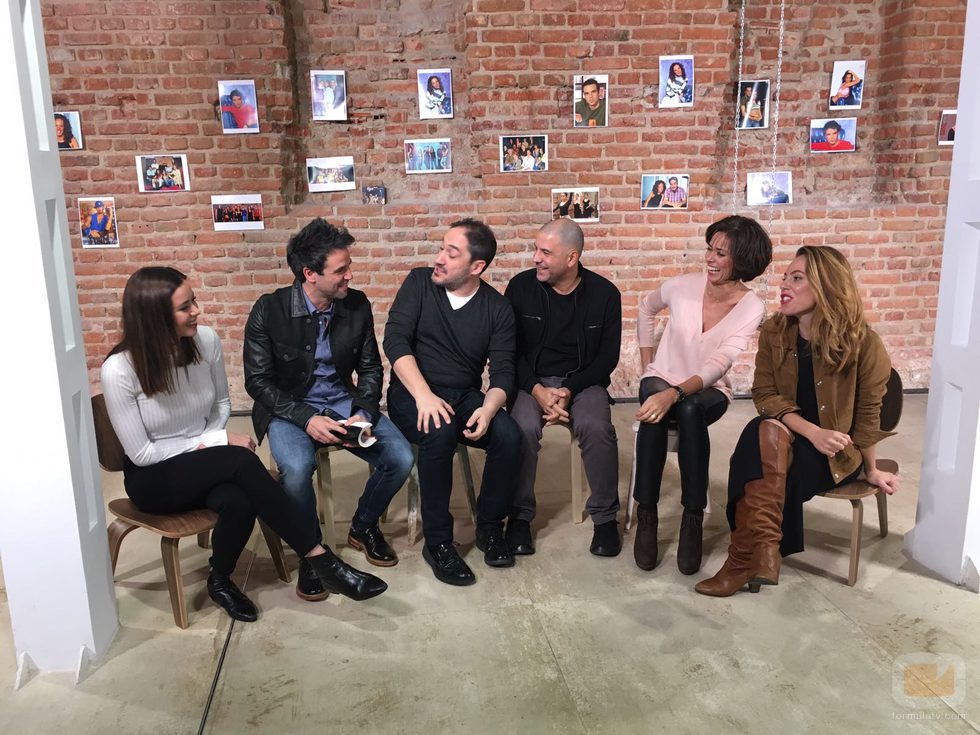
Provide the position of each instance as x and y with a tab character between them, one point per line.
681	395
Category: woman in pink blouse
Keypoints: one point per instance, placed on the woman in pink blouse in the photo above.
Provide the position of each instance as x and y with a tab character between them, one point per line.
713	315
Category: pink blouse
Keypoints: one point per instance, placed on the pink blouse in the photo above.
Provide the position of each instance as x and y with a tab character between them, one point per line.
684	349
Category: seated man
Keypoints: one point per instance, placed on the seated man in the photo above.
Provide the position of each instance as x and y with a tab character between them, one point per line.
443	326
569	323
675	196
302	345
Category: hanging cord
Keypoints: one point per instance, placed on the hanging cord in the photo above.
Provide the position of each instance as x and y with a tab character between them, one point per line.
775	110
738	93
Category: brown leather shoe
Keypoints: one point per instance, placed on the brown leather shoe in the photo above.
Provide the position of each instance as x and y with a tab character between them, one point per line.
689	546
645	543
764	501
736	572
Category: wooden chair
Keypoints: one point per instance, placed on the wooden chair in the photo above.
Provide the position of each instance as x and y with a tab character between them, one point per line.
171	527
857	491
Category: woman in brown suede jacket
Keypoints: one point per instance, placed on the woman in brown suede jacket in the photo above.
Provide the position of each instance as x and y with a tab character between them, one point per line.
820	377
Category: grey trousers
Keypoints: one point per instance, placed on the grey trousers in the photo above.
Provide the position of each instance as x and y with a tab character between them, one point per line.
591	423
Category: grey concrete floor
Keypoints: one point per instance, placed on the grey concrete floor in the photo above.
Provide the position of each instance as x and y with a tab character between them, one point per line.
564	642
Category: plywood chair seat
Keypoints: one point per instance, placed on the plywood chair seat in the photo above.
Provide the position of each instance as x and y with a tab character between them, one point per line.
171	525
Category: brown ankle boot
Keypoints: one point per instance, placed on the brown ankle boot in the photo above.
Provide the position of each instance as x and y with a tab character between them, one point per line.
736	572
764	499
689	545
645	544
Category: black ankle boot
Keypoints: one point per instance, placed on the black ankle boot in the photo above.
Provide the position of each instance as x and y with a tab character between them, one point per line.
689	545
342	579
645	549
229	598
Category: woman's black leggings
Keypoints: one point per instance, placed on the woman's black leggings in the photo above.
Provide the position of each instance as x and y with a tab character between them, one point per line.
692	416
231	481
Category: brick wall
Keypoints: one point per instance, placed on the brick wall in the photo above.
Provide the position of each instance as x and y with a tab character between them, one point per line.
143	76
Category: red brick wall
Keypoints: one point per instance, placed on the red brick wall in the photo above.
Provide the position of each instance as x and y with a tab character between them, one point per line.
143	75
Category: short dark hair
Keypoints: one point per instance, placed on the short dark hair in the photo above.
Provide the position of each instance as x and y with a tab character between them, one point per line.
832	124
480	238
748	244
673	178
235	93
590	80
310	247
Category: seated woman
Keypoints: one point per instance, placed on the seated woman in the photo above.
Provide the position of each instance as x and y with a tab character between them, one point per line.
713	315
820	377
167	397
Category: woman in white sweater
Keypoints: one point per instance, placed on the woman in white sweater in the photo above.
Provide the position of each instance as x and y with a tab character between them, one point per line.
167	396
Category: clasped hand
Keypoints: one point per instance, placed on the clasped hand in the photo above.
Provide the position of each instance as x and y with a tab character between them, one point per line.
554	403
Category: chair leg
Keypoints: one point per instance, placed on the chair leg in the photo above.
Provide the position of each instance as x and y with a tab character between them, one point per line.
118	530
275	550
882	513
204	540
324	486
630	501
578	481
413	505
857	520
171	567
464	464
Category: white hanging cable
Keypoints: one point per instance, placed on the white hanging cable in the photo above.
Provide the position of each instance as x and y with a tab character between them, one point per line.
738	93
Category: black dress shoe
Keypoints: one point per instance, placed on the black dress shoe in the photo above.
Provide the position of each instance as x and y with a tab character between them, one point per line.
229	598
343	579
605	539
372	542
518	537
448	565
491	542
308	586
689	545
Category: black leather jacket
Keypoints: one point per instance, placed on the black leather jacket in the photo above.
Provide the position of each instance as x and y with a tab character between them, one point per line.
280	348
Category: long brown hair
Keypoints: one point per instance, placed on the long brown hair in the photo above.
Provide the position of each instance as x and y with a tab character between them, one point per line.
838	325
149	334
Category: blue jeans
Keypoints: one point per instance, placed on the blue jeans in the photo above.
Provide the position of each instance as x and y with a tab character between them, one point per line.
295	453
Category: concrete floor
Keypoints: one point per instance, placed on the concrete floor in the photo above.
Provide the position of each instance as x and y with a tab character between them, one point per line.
564	642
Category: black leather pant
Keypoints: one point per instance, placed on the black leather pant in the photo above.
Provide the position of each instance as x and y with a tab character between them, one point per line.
691	416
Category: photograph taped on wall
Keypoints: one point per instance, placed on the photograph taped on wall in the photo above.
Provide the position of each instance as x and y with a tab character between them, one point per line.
68	131
752	109
435	93
239	106
237	212
677	81
97	221
428	156
328	91
947	127
330	174
523	153
847	85
664	191
769	187
590	95
833	135
580	204
374	195
163	172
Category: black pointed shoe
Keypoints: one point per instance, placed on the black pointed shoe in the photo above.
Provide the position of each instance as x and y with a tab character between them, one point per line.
343	579
372	542
308	585
229	598
491	542
447	565
519	538
606	540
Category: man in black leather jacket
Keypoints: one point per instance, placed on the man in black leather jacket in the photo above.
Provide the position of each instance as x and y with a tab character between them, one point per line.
303	344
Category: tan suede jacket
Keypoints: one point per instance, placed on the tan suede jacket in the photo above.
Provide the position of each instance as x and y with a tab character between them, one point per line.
848	401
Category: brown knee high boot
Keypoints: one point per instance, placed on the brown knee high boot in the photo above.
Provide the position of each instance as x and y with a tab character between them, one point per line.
737	569
764	500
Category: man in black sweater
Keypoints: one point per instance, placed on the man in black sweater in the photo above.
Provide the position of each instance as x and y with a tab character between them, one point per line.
443	326
569	324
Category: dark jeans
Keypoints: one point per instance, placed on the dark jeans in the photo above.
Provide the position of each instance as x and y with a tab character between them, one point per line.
692	415
232	482
502	443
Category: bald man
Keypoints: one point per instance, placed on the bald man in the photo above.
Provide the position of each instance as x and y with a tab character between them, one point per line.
569	324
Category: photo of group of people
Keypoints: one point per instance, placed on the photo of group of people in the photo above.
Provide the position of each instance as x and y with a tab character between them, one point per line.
428	156
435	88
328	90
664	191
523	153
97	222
239	106
163	173
677	81
580	204
237	212
330	174
68	131
374	195
769	187
590	94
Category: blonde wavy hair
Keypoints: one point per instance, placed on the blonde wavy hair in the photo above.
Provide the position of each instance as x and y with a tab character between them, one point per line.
838	325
